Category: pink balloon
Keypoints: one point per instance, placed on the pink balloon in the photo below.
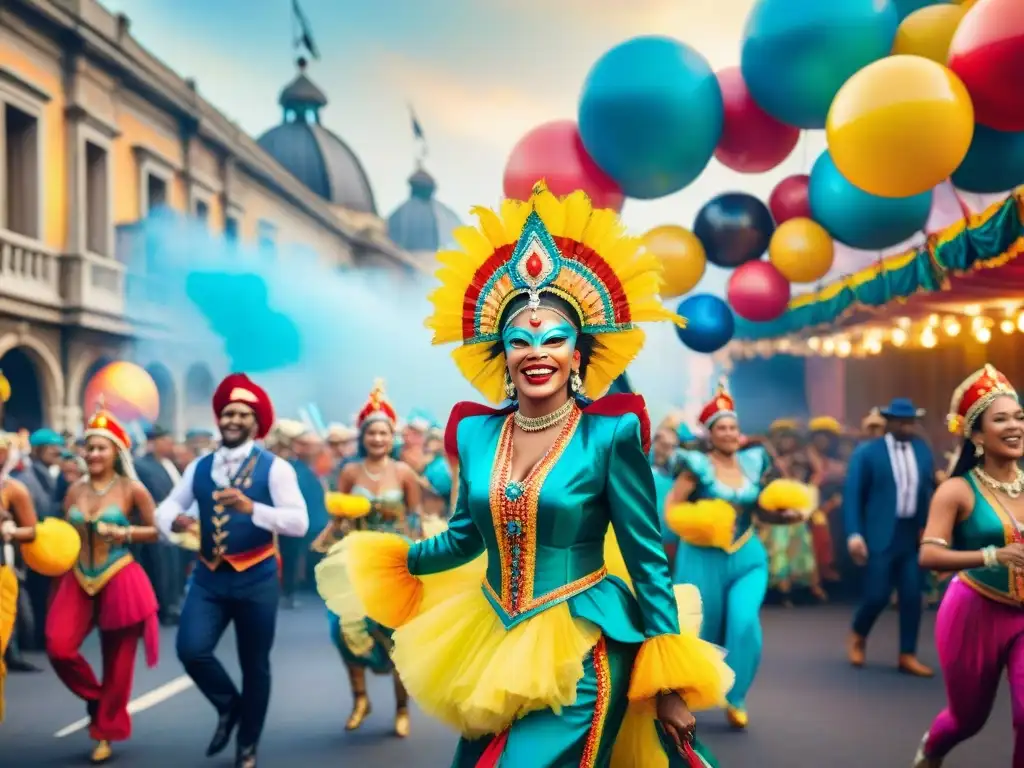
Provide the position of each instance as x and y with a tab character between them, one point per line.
752	140
554	153
789	199
757	291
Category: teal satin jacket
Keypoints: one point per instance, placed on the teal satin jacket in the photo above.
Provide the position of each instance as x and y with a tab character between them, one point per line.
545	536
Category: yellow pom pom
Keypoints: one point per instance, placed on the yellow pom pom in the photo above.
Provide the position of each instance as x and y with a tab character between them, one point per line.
55	549
346	505
704	523
784	494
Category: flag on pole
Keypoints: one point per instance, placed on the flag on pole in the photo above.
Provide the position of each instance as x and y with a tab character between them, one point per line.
417	129
303	31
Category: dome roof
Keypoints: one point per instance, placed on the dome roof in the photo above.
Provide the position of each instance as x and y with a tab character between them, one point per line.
422	223
313	154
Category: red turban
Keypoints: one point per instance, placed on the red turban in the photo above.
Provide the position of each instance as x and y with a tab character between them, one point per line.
238	388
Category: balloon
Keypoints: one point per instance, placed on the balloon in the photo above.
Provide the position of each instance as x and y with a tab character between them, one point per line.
554	152
987	53
124	389
861	220
801	250
709	323
900	126
650	115
905	8
798	53
789	199
734	228
757	291
928	32
682	259
752	140
994	163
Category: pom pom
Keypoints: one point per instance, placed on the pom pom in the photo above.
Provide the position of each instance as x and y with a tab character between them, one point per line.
781	495
704	523
347	505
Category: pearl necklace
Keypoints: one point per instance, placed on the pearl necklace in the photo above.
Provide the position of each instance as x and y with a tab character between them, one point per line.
540	423
101	492
1013	489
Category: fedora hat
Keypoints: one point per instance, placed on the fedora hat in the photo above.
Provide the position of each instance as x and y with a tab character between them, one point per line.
902	408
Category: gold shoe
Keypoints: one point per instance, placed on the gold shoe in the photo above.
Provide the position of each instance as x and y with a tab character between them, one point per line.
102	752
737	718
360	709
402	723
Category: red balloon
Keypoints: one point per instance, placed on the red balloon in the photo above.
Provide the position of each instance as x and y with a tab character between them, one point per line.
790	199
752	140
554	153
987	53
758	292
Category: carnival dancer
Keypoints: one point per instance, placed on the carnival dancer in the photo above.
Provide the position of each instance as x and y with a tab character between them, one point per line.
107	589
719	552
889	485
974	527
543	662
245	496
394	494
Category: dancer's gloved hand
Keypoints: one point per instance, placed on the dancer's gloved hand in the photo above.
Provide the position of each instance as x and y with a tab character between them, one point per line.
676	719
234	498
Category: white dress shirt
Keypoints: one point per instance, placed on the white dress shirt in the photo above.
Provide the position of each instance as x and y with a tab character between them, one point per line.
904	471
287	516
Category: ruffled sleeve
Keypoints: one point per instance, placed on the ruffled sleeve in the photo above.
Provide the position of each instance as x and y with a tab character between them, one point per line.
673	657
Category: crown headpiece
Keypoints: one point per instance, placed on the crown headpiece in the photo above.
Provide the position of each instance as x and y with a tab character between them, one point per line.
545	245
377	407
974	395
104	424
719	406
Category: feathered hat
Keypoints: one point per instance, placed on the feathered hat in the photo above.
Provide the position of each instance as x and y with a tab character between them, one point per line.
104	424
377	407
545	245
974	395
720	406
825	424
239	388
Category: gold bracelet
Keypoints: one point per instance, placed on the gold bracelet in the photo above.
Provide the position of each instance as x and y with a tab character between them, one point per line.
936	541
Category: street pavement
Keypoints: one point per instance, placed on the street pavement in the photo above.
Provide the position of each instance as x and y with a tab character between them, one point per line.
808	709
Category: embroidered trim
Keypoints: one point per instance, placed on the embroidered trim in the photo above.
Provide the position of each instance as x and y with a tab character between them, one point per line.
603	673
1015	576
514	515
241	561
564	592
93	585
989	593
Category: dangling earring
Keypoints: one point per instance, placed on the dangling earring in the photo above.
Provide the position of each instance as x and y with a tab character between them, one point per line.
575	382
510	388
979	450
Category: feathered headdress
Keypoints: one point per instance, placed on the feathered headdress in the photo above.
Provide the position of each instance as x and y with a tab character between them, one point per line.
546	245
721	405
377	407
973	396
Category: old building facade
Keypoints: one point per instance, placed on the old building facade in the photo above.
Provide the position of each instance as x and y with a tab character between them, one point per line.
96	133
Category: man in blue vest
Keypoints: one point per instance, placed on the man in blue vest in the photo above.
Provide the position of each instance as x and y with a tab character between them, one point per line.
889	485
245	497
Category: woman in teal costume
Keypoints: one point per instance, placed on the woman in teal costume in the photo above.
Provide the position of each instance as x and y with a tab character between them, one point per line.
732	581
393	491
550	661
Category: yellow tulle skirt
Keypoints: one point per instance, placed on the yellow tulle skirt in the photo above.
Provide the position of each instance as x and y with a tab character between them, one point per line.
8	613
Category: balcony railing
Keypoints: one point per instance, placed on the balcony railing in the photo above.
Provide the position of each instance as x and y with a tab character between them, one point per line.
29	270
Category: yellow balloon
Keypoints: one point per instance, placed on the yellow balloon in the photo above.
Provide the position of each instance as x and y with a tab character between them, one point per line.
54	551
801	250
928	32
900	126
682	258
965	4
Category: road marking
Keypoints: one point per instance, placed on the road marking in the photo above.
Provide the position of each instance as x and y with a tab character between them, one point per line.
142	703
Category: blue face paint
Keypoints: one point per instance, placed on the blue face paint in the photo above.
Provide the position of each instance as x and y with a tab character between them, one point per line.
550	335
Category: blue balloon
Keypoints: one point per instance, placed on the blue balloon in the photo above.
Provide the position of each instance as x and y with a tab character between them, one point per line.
798	53
994	162
650	115
906	7
709	323
859	219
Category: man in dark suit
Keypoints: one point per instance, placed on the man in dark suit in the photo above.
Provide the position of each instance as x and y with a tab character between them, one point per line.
889	485
164	563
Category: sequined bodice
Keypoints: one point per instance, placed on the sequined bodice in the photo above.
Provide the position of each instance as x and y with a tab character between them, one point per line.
753	464
98	554
387	510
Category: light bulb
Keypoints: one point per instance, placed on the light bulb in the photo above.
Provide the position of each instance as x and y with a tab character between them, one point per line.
899	337
933	320
828	346
978	322
814	343
903	322
843	348
984	335
1007	326
972	309
952	327
873	346
928	338
1020	322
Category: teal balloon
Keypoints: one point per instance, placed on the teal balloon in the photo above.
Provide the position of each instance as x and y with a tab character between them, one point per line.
994	162
859	219
906	7
710	323
797	54
650	115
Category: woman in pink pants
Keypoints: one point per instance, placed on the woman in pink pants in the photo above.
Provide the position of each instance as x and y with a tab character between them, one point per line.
974	529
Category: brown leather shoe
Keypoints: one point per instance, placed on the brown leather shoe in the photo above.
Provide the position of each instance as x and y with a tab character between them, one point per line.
855	648
909	665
